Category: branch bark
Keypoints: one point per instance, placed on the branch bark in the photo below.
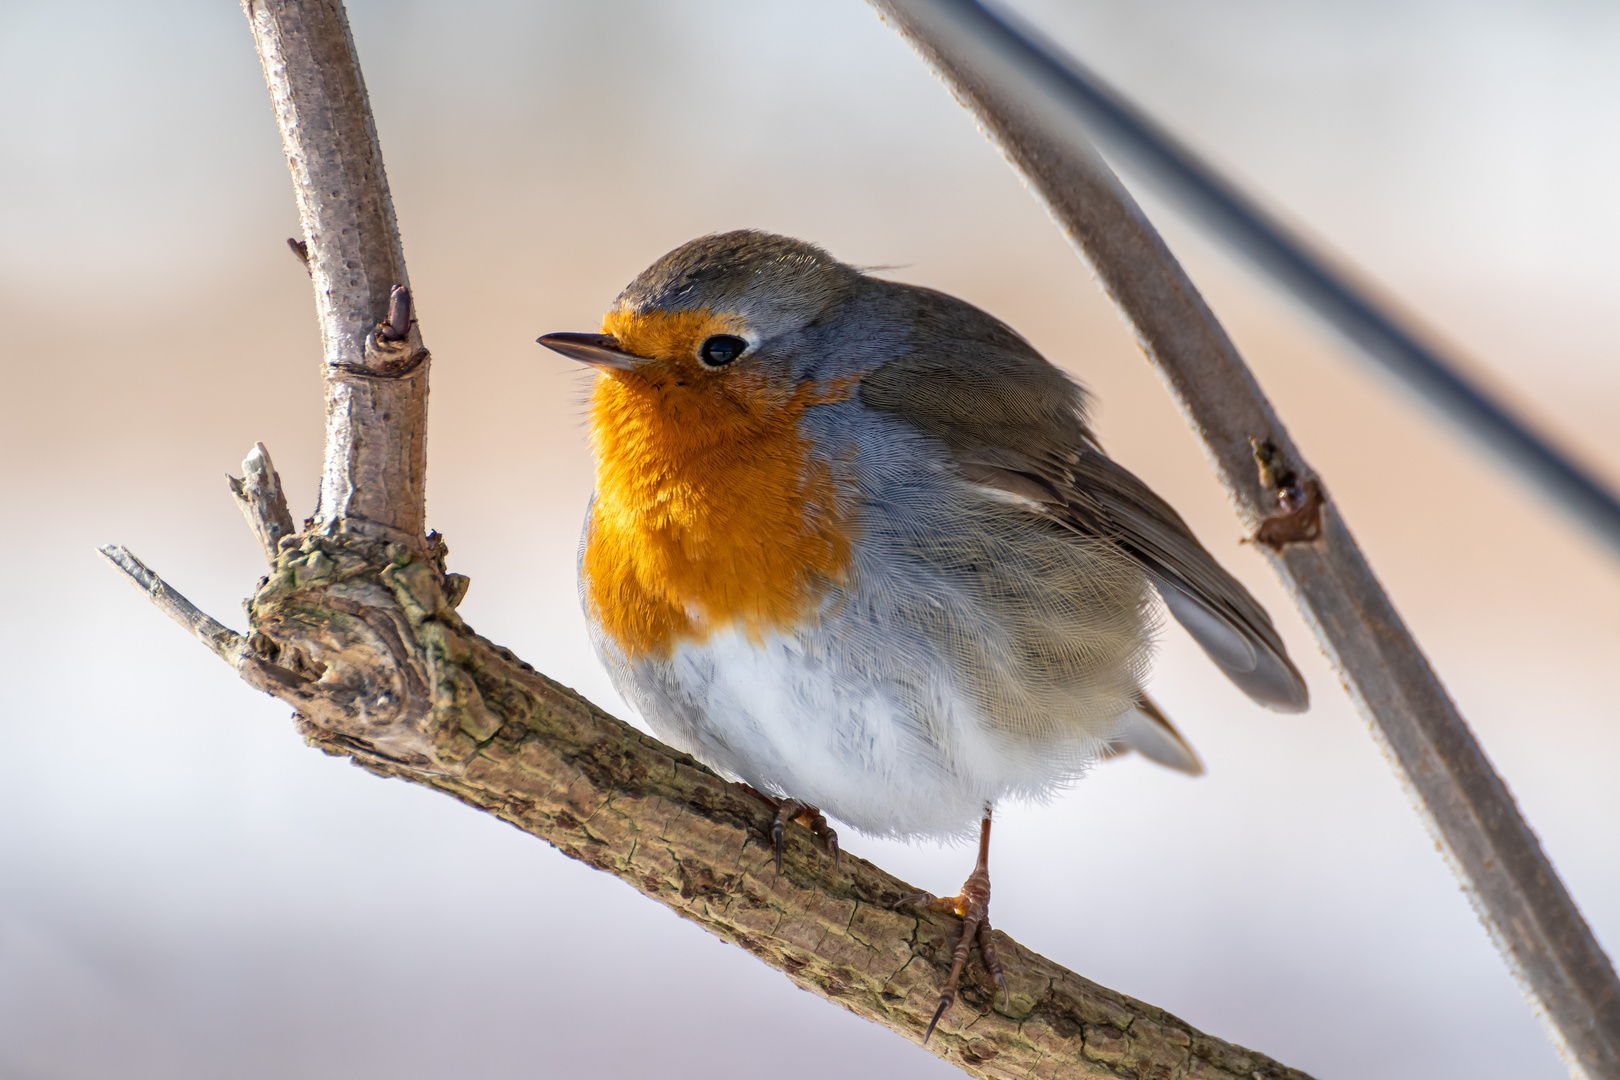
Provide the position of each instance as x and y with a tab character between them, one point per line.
1018	99
376	382
355	626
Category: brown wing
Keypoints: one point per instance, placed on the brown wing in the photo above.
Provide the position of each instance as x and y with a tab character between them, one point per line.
1014	423
1093	494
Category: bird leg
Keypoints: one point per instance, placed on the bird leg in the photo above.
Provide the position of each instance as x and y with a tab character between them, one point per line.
792	810
972	906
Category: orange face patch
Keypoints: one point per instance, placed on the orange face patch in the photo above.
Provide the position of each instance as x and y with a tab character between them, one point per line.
710	511
668	335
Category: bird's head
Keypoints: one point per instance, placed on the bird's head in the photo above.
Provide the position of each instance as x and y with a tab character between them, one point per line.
718	327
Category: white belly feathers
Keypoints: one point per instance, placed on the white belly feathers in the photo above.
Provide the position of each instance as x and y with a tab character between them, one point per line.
972	654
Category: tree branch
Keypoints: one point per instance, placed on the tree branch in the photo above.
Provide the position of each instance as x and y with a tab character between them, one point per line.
1015	90
360	637
376	385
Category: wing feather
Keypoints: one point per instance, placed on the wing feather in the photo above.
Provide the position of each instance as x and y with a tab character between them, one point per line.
1015	425
1098	496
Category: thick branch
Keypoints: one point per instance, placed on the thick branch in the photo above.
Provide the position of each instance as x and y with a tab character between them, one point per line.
361	637
376	384
1467	807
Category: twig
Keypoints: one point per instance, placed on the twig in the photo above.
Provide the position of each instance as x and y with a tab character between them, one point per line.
300	252
398	322
262	501
1529	914
376	390
225	642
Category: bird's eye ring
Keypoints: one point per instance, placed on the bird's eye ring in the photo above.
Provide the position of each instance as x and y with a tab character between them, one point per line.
720	350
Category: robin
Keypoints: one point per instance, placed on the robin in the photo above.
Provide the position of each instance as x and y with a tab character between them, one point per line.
854	543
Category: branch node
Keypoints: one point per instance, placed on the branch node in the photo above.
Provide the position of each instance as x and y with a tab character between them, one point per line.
387	357
368	529
1300	499
398	323
389	351
455	589
300	250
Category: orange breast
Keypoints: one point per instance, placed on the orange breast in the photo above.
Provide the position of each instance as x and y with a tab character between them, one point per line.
710	511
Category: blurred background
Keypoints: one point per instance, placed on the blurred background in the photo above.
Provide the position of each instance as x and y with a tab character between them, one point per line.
186	890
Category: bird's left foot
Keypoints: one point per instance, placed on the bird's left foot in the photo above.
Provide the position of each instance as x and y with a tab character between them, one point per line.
972	906
792	810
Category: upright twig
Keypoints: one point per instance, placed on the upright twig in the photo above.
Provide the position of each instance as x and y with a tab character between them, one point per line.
355	626
258	493
376	384
1518	896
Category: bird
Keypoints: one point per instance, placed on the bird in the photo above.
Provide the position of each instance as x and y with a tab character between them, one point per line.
854	543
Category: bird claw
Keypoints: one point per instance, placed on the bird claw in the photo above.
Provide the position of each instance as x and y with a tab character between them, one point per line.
992	963
945	1001
792	810
778	833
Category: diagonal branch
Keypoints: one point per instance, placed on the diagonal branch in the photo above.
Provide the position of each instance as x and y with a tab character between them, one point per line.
344	625
1016	91
353	632
1367	325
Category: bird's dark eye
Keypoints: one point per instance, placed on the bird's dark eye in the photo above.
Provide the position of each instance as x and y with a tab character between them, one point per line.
721	350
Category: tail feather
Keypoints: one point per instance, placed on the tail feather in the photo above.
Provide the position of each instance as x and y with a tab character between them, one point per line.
1150	733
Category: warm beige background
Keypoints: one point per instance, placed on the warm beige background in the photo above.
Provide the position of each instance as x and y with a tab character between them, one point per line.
186	891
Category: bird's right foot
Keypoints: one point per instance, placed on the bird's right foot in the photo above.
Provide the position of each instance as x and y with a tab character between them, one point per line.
972	906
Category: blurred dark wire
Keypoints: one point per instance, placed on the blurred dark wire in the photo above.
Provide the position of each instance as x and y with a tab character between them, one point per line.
1060	83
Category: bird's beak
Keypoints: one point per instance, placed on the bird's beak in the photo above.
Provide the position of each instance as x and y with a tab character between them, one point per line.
597	350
